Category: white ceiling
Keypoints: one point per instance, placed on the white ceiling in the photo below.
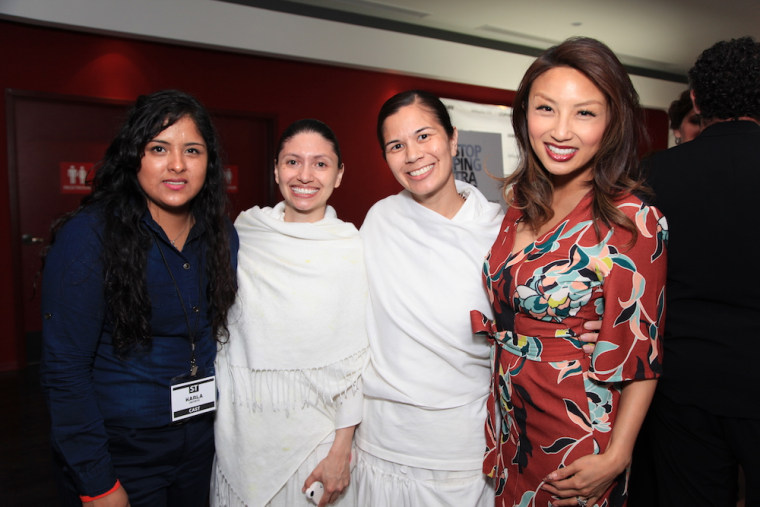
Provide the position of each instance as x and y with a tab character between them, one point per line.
478	42
662	35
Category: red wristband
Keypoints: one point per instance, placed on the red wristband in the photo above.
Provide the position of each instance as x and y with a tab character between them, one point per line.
86	498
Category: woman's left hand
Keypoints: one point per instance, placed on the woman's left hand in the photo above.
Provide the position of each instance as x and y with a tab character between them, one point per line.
587	478
334	472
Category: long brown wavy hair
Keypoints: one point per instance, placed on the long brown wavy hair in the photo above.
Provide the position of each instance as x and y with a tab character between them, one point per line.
616	169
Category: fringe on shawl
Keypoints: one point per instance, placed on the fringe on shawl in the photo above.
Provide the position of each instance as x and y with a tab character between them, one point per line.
222	493
287	390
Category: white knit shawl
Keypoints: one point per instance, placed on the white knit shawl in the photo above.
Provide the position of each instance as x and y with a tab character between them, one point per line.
425	273
297	346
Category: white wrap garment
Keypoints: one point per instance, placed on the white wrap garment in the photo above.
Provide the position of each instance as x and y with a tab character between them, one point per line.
296	351
428	379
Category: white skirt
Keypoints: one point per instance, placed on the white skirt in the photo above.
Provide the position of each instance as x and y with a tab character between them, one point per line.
290	494
382	483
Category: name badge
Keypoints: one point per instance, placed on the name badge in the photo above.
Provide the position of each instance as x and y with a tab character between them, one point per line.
194	397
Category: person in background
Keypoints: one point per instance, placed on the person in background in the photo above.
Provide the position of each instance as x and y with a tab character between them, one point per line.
685	122
421	440
290	392
705	418
576	245
137	284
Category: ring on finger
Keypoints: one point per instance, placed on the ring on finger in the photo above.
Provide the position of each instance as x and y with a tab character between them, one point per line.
581	501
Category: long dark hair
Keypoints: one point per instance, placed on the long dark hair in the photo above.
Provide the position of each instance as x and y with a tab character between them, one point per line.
616	164
122	202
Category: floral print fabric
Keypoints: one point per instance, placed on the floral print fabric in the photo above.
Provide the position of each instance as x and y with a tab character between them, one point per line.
556	403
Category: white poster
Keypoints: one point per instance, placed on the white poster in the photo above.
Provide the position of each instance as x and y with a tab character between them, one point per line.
486	145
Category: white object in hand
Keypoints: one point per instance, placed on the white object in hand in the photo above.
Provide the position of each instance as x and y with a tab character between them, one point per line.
315	492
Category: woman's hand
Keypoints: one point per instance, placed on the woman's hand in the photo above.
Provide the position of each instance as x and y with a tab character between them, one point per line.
116	499
587	477
334	471
590	338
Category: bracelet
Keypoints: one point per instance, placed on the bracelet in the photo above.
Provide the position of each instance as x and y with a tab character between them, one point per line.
86	498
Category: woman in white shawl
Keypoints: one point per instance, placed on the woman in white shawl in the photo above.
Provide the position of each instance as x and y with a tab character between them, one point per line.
422	437
289	377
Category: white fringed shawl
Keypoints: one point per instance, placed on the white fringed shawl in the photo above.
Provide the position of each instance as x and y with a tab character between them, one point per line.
426	275
297	346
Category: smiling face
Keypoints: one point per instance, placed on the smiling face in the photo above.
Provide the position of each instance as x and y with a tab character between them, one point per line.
173	168
307	172
420	153
567	117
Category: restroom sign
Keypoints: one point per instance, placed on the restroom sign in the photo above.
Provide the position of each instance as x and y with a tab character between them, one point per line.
76	177
231	178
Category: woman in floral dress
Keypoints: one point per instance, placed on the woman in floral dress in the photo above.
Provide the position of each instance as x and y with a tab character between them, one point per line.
575	244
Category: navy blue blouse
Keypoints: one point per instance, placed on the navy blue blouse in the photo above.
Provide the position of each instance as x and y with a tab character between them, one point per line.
89	387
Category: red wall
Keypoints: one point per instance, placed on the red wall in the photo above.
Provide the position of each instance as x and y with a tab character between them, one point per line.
72	63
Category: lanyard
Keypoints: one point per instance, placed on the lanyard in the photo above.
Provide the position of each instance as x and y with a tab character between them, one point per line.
191	331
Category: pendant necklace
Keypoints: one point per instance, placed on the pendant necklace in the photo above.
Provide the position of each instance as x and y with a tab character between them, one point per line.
184	229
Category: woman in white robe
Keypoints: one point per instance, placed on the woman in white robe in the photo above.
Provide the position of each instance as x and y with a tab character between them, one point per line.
422	438
289	378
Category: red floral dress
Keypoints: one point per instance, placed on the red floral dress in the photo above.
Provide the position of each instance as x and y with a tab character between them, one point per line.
556	403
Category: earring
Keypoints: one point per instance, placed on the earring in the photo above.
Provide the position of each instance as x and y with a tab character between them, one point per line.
678	140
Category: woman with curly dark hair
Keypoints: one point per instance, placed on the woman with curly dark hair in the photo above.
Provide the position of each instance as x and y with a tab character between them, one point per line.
137	284
575	245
